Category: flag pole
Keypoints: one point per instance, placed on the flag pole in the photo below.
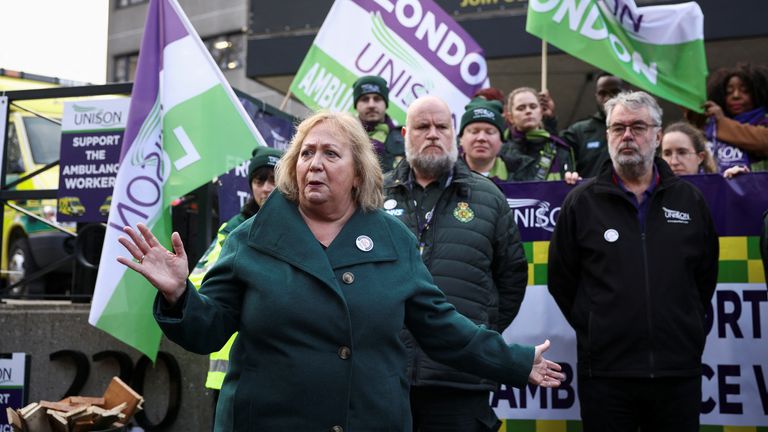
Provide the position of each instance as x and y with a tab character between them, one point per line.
285	100
543	65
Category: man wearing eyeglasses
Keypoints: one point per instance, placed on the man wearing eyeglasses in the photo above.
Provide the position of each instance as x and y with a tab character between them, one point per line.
632	267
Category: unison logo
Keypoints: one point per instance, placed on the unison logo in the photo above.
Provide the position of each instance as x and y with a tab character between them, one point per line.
676	216
534	213
278	140
92	116
438	37
5	375
729	153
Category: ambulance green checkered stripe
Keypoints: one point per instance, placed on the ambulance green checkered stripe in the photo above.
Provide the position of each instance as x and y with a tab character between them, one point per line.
732	272
740	261
753	248
541	426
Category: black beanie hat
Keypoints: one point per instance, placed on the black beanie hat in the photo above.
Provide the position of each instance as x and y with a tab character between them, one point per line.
263	156
481	110
370	84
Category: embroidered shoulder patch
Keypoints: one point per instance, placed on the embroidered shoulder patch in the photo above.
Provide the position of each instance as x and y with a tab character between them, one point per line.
463	213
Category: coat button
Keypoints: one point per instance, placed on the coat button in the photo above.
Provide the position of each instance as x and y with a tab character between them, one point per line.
348	277
337	429
345	352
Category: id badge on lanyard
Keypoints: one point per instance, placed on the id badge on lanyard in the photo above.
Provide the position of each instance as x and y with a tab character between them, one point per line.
545	161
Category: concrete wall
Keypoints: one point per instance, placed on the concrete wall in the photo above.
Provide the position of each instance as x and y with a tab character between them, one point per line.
42	328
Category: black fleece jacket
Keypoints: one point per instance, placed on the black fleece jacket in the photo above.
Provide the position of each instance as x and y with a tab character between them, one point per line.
636	295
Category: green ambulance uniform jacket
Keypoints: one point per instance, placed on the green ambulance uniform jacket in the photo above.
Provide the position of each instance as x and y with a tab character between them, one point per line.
219	361
319	329
589	142
388	143
536	156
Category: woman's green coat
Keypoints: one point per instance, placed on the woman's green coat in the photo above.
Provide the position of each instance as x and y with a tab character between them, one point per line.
319	345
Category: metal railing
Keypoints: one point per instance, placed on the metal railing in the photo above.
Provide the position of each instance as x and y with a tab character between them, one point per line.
9	194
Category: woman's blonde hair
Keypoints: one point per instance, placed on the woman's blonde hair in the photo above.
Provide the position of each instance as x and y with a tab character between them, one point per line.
517	91
368	195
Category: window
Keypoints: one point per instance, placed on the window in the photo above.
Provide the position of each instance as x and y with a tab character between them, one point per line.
14	163
125	67
44	138
228	51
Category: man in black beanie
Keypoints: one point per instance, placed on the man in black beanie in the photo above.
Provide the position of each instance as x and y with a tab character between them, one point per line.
371	96
480	136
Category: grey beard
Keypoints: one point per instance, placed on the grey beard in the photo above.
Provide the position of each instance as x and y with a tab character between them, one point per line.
631	168
433	166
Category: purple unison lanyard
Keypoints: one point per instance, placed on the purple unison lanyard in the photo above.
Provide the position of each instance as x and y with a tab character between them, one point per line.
423	227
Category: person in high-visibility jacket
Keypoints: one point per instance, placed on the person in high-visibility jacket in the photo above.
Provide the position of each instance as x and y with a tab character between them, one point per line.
261	176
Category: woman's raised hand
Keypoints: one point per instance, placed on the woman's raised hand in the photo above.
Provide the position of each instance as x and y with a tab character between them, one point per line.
165	270
713	110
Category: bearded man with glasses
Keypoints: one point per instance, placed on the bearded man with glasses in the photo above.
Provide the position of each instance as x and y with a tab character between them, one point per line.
632	267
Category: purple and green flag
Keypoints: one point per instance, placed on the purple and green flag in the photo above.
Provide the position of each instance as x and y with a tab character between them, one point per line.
657	48
185	127
414	45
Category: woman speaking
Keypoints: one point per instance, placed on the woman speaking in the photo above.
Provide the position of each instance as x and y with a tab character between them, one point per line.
319	284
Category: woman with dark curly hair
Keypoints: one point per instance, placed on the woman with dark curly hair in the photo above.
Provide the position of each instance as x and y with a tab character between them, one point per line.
738	117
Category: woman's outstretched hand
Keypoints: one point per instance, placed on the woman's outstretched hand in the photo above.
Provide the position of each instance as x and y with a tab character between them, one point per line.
165	270
545	373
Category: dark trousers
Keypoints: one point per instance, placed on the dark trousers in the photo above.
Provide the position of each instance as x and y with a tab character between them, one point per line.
216	394
445	409
640	404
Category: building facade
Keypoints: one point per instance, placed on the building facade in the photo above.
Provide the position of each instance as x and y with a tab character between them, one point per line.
221	24
260	44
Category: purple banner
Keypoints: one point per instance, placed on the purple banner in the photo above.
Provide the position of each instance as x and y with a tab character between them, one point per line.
14	382
276	131
535	206
737	205
10	398
429	30
87	170
234	189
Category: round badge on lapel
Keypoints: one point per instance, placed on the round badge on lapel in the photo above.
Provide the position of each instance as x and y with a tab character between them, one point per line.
364	243
390	204
611	235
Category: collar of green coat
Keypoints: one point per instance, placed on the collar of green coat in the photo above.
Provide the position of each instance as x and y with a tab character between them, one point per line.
279	230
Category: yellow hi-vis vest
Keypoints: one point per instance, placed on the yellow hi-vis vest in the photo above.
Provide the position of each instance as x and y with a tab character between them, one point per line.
219	361
218	365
